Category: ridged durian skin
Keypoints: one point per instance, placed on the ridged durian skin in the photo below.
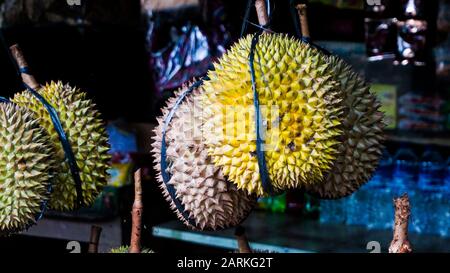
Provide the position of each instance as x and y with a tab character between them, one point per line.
299	104
210	200
87	136
26	166
362	140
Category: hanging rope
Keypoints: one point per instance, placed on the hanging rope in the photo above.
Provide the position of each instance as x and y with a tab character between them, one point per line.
67	147
44	204
22	69
263	173
165	175
264	27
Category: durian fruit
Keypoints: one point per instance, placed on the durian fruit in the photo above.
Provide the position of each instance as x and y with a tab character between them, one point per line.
26	166
126	249
87	136
208	198
300	106
361	145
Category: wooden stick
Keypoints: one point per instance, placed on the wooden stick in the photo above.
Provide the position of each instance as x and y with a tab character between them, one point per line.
303	16
400	243
136	215
22	63
261	11
243	245
95	238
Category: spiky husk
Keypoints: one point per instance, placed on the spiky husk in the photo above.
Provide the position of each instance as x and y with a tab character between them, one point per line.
87	136
361	145
211	201
126	249
299	104
26	166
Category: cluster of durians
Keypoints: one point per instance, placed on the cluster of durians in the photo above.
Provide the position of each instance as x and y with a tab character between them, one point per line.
322	131
34	172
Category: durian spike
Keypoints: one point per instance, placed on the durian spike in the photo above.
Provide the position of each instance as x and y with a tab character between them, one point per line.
136	214
95	238
243	245
400	243
22	64
261	11
303	16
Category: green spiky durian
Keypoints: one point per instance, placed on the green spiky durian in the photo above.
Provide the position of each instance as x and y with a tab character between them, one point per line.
26	166
209	199
361	146
126	249
299	103
87	136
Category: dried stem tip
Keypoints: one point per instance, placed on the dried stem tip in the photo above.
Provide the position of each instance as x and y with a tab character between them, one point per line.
261	11
95	238
136	214
303	16
400	243
17	54
243	245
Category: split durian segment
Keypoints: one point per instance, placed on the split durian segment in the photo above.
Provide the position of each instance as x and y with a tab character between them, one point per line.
26	166
87	136
208	198
361	145
300	108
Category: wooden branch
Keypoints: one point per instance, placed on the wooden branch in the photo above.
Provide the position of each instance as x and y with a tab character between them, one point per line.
22	64
136	214
95	238
400	243
261	11
243	245
303	16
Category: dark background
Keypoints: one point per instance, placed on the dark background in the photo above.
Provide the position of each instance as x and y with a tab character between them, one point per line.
110	60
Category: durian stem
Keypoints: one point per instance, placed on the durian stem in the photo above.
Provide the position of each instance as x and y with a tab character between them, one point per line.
261	11
28	79
95	238
136	215
303	16
400	243
243	245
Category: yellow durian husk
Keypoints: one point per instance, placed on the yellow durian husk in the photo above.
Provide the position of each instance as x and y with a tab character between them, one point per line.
362	139
300	108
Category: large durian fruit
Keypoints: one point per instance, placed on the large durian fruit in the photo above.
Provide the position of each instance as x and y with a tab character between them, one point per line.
208	198
361	142
26	166
302	110
86	134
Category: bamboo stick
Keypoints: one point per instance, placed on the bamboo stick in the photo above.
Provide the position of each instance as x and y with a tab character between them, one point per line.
261	11
400	242
136	214
243	245
95	238
28	79
303	16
